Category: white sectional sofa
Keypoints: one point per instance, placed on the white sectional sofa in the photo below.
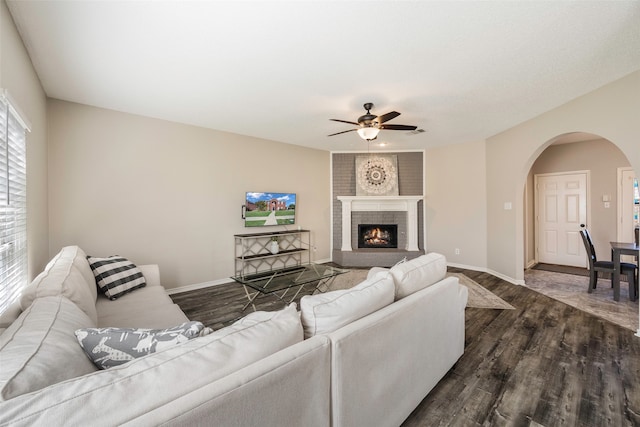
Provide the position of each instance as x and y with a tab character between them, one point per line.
358	357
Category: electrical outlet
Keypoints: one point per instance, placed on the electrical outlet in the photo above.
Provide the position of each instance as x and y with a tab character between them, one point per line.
457	251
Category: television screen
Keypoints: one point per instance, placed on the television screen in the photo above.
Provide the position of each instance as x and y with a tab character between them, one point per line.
264	209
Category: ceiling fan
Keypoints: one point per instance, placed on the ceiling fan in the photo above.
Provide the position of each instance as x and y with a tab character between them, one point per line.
369	124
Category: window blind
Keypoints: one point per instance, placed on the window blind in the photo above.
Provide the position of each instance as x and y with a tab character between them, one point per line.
13	204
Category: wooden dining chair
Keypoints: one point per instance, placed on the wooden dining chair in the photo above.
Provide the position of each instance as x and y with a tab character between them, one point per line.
595	266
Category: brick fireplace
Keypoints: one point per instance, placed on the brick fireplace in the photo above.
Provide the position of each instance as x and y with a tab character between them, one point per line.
406	211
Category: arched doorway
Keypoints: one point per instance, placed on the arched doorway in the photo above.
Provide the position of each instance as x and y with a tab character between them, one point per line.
574	153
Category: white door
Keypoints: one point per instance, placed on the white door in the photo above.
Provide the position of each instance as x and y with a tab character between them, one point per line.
627	209
626	205
561	206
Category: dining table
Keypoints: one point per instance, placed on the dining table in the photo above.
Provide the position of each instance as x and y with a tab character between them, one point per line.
617	250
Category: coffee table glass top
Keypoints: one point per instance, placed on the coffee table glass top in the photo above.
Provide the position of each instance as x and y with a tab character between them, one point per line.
273	281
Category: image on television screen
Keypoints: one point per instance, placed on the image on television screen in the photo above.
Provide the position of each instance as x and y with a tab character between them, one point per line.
265	209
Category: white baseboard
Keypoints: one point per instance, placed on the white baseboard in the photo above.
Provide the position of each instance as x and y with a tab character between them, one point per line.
518	282
467	267
198	286
531	264
486	270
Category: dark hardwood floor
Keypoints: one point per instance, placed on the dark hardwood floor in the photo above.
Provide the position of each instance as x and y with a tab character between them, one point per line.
543	364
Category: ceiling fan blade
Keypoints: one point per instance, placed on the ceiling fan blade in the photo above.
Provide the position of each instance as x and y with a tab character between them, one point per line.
345	121
398	127
386	117
344	131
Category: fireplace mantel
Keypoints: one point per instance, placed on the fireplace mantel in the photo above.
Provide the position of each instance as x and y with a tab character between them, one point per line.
408	204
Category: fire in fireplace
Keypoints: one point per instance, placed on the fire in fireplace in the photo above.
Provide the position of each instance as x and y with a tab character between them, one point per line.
377	235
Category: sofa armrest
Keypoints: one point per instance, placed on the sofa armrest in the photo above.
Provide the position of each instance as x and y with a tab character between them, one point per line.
151	273
401	350
291	387
299	373
463	296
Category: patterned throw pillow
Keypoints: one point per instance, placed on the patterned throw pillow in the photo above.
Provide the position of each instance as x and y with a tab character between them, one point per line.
115	276
109	347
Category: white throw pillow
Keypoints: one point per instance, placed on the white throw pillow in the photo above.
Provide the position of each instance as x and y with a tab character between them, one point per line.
375	270
324	313
40	349
418	273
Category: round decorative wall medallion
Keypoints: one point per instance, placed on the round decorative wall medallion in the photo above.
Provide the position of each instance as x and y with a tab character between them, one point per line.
377	176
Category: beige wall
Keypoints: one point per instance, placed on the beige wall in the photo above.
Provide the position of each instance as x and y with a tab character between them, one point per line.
602	159
456	203
610	112
167	193
19	78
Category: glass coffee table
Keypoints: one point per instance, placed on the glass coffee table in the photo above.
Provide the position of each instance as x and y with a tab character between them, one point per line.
279	282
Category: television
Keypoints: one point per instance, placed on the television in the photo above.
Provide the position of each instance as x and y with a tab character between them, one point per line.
265	209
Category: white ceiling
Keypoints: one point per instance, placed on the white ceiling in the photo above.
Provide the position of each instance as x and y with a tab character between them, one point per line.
463	71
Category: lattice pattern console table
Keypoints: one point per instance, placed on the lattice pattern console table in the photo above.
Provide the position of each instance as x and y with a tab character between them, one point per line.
253	255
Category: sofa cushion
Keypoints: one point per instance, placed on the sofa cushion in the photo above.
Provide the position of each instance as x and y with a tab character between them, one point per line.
159	310
418	273
158	317
67	274
149	297
116	275
108	347
40	347
324	313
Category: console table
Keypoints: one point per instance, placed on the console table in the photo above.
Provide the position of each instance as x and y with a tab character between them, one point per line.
253	252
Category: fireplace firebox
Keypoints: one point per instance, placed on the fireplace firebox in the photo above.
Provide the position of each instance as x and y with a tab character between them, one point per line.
377	236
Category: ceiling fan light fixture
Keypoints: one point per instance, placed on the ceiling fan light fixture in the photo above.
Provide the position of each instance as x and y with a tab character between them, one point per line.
368	133
369	125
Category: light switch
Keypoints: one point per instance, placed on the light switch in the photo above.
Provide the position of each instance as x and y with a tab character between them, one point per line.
507	206
605	198
607	205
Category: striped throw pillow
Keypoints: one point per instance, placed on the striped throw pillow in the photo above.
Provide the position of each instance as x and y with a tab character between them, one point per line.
115	276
